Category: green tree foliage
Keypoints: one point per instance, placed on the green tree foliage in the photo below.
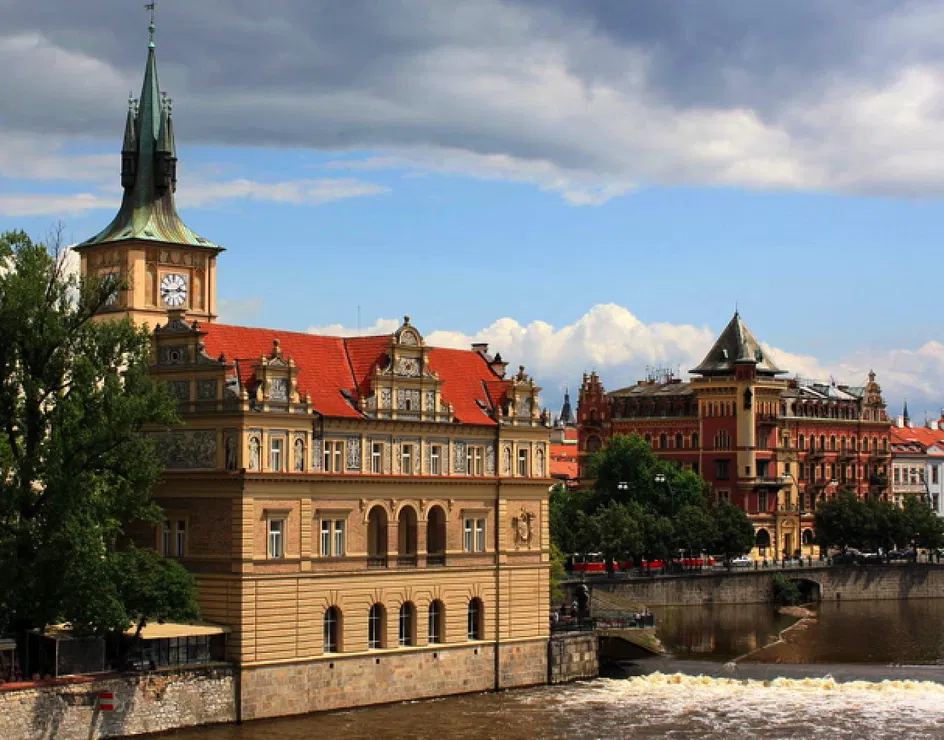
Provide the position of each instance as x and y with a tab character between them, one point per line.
786	592
872	524
558	573
642	507
74	466
734	533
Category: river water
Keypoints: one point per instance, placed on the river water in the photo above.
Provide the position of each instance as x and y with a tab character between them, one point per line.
872	640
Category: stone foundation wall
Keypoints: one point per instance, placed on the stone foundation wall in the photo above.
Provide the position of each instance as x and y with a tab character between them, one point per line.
388	676
154	702
572	657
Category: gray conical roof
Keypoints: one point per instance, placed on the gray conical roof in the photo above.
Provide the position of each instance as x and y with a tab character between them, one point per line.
736	345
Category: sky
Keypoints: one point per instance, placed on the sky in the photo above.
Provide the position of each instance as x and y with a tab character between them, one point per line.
584	185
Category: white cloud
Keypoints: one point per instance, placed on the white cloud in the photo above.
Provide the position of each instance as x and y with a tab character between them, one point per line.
294	192
239	312
611	340
33	204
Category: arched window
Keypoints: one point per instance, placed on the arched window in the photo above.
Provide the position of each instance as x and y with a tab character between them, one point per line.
476	620
332	630
822	441
437	619
695	440
407	632
406	536
376	627
377	537
663	441
436	536
865	444
807	536
679	441
762	539
832	443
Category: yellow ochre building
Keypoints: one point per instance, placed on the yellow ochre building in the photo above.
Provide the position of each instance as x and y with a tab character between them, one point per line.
368	515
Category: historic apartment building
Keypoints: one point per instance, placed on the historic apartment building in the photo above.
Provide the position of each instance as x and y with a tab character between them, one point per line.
918	461
368	515
771	445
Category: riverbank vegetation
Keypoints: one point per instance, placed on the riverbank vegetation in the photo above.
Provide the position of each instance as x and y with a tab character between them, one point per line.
76	471
847	522
642	508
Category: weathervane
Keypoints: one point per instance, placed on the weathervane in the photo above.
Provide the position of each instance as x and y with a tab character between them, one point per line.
152	27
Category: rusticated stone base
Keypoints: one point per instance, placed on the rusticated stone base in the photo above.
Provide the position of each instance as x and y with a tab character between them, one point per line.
573	657
382	677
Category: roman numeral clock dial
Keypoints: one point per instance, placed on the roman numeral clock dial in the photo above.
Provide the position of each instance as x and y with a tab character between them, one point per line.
173	290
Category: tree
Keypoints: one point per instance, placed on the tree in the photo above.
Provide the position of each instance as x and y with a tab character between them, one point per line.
734	533
925	529
75	467
564	508
615	531
151	587
694	530
841	521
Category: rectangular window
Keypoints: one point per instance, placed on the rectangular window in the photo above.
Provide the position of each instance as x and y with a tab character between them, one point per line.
181	538
480	535
275	456
339	538
435	458
474	461
166	540
721	469
762	501
934	474
468	541
406	459
376	458
523	463
276	538
724	496
334	457
325	537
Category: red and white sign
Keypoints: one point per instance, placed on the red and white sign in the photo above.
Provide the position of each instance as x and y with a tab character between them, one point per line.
106	701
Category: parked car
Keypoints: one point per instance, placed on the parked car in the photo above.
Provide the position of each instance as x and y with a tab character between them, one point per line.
906	554
846	558
870	557
742	561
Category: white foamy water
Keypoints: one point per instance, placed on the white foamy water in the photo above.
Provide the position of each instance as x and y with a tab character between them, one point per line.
695	706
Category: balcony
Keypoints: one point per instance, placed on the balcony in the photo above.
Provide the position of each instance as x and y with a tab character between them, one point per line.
817	454
769	482
847	455
876	455
406	561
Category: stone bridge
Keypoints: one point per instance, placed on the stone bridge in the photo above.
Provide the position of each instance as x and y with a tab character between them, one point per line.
847	583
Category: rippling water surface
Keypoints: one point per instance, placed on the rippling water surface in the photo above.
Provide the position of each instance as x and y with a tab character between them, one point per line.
670	706
862	639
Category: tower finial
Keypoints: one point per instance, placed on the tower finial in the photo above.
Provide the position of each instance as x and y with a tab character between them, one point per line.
151	27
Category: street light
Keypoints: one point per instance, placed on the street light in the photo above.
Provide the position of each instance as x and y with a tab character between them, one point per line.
622	486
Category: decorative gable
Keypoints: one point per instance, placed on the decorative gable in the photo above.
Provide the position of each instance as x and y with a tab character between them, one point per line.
402	384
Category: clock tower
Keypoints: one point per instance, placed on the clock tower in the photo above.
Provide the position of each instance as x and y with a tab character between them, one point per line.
164	265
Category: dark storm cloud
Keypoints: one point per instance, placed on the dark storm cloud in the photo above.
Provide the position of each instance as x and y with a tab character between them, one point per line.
733	91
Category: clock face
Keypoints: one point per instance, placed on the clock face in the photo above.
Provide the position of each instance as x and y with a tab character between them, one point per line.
173	290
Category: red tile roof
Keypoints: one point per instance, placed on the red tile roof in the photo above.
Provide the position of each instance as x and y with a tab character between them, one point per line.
921	436
329	367
564	461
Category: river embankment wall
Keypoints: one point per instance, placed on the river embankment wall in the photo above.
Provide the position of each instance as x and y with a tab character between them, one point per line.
845	583
571	657
143	703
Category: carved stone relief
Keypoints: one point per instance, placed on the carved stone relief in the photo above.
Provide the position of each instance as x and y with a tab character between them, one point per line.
317	454
278	389
255	453
430	400
523	525
539	462
173	354
408	367
299	454
408	399
188	450
179	389
506	460
230	459
353	447
206	390
386	398
459	466
490	460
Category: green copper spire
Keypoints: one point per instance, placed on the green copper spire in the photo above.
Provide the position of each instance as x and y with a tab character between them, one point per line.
149	170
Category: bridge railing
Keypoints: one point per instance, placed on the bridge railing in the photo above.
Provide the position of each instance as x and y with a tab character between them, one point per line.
590	624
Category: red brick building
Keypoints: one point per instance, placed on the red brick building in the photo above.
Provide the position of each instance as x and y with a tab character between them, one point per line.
771	445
